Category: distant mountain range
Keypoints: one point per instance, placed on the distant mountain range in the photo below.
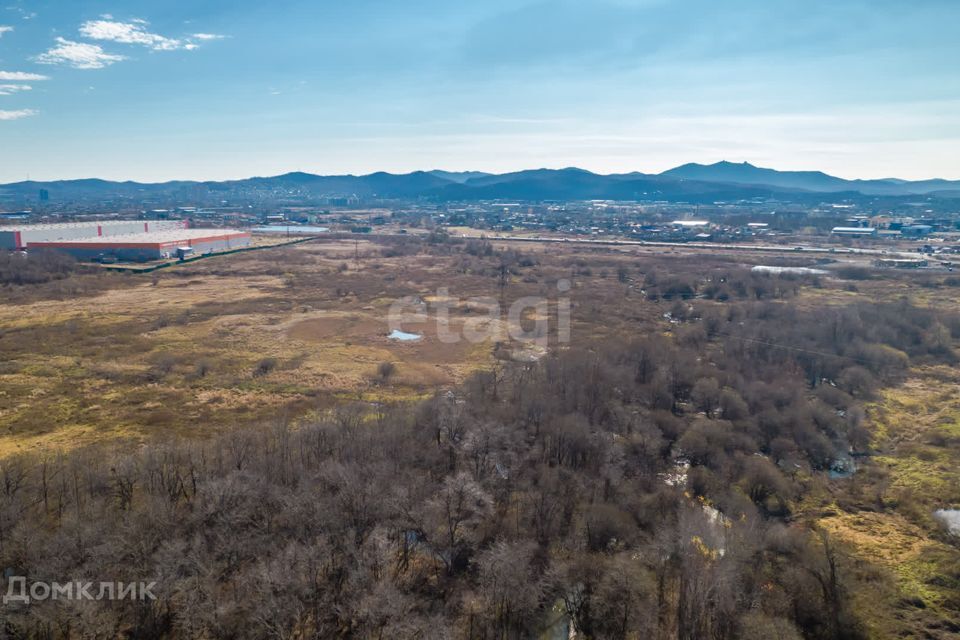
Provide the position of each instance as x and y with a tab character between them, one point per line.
723	181
746	173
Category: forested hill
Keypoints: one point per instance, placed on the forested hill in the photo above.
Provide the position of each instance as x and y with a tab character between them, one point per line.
689	183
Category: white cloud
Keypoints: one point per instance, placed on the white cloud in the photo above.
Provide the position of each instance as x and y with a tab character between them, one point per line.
5	29
20	76
17	115
10	89
79	55
133	32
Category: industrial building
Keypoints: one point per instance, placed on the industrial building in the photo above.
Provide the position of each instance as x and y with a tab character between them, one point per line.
22	236
150	245
917	230
854	232
902	263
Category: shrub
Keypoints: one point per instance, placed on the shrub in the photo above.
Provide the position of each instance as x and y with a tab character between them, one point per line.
264	367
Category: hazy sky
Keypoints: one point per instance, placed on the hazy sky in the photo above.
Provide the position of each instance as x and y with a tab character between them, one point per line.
216	89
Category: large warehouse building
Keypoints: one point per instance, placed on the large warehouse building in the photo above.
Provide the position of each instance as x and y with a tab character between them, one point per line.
22	236
151	245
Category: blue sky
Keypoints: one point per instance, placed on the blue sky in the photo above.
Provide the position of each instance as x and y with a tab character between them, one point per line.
228	89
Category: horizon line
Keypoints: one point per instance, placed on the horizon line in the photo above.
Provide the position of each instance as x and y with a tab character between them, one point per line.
492	173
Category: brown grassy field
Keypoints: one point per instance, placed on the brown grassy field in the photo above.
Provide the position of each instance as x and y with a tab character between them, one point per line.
252	337
885	513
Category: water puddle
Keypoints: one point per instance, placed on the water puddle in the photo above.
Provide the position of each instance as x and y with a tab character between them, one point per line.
785	270
403	336
842	468
950	519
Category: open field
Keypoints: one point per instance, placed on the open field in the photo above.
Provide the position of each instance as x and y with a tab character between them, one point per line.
209	345
886	512
250	337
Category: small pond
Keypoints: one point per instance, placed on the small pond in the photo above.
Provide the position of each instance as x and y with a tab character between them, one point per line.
762	268
950	518
403	336
843	467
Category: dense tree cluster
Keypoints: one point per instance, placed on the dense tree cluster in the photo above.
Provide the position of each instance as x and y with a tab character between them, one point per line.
37	267
721	285
629	489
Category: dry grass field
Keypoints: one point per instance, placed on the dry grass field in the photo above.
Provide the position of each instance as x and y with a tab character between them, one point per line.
885	513
257	336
